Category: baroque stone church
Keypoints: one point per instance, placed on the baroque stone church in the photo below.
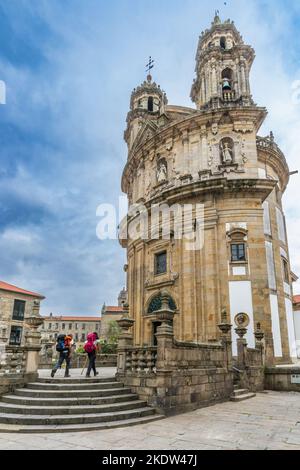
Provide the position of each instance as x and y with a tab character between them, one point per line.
211	154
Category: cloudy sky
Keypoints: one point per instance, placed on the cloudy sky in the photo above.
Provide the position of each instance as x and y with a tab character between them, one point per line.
70	66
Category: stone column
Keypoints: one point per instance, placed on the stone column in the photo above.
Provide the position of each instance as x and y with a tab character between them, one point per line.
165	338
259	336
242	357
125	340
241	347
225	328
33	342
165	332
243	78
214	81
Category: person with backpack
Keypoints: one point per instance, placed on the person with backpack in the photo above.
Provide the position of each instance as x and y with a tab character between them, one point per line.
90	348
63	346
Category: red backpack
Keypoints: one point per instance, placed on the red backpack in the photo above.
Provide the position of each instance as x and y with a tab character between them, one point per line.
89	346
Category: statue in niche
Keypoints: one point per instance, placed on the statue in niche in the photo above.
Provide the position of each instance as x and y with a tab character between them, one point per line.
226	152
162	171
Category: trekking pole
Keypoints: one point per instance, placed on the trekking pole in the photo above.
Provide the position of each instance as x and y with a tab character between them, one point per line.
85	364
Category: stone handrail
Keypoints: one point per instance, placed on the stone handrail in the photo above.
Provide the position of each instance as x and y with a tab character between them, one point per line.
183	355
253	357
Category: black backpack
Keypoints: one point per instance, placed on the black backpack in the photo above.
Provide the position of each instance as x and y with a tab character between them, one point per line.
60	343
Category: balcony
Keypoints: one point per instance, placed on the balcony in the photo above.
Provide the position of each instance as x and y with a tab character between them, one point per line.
229	95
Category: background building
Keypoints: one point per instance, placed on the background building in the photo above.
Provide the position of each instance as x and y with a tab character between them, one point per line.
16	305
109	314
79	327
211	154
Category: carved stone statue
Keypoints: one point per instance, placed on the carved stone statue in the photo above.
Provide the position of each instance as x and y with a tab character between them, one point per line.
227	153
162	172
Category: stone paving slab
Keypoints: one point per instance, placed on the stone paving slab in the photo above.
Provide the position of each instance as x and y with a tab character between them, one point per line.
268	421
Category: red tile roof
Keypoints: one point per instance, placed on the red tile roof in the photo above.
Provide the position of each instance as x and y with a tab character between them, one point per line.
18	290
113	309
296	299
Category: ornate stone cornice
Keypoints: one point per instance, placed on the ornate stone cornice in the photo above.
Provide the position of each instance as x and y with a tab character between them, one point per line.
269	153
195	121
222	187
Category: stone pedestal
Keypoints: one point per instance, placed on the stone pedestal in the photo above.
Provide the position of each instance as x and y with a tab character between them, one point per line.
165	334
125	340
225	327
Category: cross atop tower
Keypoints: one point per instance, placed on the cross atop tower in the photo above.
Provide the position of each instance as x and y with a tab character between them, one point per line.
149	66
217	19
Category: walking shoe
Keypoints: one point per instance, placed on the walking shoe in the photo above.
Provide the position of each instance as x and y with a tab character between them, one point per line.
53	373
67	376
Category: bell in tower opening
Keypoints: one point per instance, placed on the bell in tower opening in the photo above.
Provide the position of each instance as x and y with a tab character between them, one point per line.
226	84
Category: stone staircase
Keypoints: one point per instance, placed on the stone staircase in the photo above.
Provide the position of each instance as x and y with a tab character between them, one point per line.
241	394
69	405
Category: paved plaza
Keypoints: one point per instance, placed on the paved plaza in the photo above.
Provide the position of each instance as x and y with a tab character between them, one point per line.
270	421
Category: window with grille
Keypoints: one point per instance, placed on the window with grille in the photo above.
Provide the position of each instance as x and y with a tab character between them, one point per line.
238	252
15	335
160	263
19	310
286	271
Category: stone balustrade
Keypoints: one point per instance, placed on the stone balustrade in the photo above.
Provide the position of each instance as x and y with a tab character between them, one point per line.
229	95
141	360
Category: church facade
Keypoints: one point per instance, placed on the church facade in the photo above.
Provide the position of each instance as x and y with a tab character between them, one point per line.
211	155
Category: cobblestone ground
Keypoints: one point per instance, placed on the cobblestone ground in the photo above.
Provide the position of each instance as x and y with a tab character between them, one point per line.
271	420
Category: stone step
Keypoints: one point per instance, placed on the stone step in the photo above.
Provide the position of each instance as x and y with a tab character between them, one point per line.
73	386
243	397
88	401
27	392
240	391
58	420
83	379
70	428
7	408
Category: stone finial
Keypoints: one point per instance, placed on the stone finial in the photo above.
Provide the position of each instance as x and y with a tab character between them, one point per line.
225	325
165	300
126	310
224	315
125	323
217	19
259	334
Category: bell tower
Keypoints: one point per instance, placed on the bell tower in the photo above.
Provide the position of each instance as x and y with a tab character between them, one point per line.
147	105
223	64
214	156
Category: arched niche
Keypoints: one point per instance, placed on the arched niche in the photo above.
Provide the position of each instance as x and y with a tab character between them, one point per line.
155	304
227	153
